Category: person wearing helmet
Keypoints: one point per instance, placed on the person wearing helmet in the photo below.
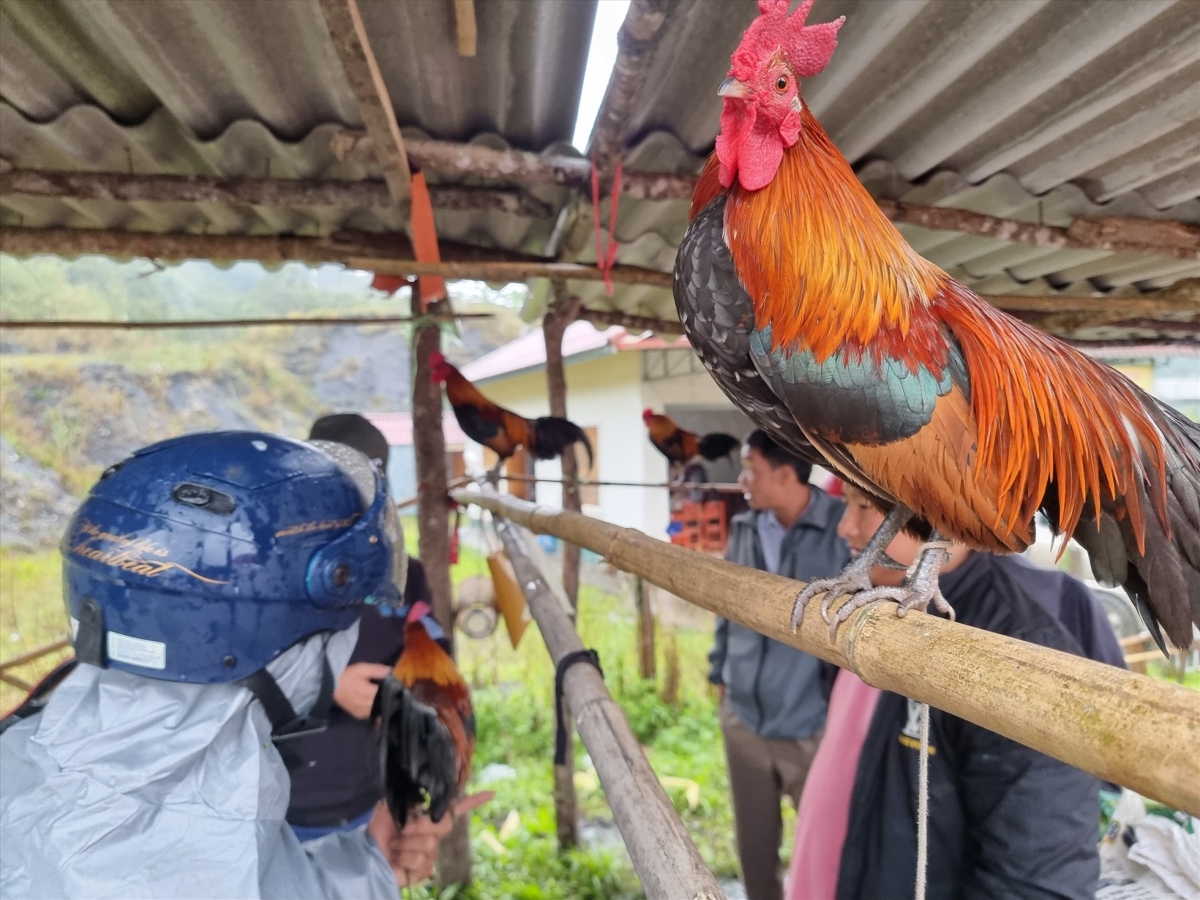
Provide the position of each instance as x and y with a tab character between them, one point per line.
214	584
340	783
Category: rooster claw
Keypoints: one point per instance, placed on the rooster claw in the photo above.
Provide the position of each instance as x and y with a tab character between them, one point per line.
919	590
853	580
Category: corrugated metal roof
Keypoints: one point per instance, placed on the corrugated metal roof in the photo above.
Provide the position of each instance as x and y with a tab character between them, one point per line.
1028	109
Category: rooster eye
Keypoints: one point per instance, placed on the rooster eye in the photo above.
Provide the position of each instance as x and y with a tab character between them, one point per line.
781	83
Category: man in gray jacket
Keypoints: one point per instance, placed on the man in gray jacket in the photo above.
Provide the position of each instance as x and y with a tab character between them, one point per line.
773	696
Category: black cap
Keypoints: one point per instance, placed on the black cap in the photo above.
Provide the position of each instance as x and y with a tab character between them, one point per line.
354	431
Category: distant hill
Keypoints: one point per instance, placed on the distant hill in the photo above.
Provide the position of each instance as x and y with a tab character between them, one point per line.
73	403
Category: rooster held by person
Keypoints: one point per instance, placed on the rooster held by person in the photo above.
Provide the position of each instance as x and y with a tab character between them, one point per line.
816	317
499	429
680	446
428	726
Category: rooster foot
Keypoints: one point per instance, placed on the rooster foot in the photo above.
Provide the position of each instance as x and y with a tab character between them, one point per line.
493	475
920	588
856	577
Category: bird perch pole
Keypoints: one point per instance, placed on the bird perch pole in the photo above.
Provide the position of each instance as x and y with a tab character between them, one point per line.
554	324
1120	726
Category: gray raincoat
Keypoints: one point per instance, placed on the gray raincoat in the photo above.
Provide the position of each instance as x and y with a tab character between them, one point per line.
132	787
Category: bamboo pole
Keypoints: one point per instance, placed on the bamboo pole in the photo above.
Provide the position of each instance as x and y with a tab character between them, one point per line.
1120	726
663	854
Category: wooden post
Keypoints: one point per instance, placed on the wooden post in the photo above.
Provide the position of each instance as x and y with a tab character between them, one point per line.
433	526
554	324
1120	726
663	854
645	629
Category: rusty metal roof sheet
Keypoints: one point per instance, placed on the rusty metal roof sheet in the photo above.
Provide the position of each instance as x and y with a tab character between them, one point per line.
1028	109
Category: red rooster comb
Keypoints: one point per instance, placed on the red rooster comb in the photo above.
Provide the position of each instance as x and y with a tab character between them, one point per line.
436	358
418	611
807	49
647	415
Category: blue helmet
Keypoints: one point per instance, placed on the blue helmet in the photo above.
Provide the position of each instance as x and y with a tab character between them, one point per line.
202	558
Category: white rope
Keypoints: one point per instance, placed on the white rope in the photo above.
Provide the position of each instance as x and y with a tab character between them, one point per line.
923	804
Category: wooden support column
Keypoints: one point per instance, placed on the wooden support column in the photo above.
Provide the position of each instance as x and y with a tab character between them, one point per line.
349	36
645	629
433	527
554	324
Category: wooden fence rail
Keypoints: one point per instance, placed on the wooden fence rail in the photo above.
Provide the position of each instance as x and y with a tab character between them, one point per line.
1121	726
666	860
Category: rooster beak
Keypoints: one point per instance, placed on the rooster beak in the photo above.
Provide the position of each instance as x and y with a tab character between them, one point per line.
731	87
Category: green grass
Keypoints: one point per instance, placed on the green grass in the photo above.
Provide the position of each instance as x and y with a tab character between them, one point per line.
32	615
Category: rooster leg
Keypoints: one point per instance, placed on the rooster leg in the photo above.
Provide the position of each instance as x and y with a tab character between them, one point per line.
493	475
920	588
856	577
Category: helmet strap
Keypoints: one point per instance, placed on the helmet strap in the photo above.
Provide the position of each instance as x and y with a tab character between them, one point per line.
286	725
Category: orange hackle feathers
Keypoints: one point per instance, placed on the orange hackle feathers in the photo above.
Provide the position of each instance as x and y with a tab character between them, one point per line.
800	259
424	659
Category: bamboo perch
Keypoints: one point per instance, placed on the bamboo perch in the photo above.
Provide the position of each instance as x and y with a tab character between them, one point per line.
662	852
1120	726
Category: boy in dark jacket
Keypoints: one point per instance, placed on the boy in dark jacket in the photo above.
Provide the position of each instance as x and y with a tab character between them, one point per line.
1004	820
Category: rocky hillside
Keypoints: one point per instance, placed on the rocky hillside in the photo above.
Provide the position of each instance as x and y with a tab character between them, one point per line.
72	404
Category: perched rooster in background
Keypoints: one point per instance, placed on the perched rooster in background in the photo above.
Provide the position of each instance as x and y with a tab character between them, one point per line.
500	430
792	285
428	726
680	446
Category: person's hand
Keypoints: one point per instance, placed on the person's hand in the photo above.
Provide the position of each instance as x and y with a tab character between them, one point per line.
356	689
412	852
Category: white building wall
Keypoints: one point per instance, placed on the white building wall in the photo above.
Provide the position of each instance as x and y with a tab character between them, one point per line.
604	394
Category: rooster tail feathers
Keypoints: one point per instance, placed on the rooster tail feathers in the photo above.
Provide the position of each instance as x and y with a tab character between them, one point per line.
552	435
716	445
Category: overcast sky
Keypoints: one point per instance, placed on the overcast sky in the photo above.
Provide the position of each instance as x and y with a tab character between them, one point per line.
601	56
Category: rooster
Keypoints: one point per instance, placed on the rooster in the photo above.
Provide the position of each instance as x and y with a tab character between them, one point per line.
816	316
500	430
428	726
680	446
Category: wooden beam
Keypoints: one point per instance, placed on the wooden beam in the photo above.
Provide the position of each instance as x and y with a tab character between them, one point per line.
634	324
662	852
554	325
635	50
353	47
447	158
167	325
1116	235
465	30
385	247
391	253
1160	237
433	538
1120	726
275	192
